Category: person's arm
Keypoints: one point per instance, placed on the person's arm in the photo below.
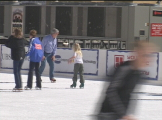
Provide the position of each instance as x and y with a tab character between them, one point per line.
30	46
72	58
26	42
112	93
9	42
44	42
55	48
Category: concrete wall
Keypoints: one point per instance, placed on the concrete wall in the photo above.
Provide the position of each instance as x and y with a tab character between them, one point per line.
154	19
7	20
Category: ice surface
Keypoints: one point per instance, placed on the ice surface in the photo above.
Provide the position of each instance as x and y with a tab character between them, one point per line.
56	101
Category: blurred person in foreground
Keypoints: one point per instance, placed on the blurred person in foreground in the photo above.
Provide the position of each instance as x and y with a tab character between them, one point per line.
123	82
49	46
17	44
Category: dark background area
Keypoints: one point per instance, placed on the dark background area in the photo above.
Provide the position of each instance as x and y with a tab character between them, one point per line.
96	20
64	20
33	19
1	19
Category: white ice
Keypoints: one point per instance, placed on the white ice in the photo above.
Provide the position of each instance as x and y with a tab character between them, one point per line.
56	101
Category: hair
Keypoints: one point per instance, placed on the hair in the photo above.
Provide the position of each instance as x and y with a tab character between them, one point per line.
141	44
17	33
33	33
77	49
54	31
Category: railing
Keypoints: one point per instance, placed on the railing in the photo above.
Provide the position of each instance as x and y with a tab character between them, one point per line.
87	42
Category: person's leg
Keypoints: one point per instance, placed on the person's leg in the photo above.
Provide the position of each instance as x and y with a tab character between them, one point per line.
81	70
51	65
30	74
19	72
15	71
38	78
76	69
43	64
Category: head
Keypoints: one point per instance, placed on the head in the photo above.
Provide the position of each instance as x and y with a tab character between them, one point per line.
144	52
77	49
54	32
17	33
33	33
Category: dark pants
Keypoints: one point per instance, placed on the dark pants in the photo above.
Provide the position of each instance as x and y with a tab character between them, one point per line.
78	68
30	74
17	74
51	65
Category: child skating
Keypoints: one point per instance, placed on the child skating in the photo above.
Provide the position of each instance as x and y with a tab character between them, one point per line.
35	54
78	65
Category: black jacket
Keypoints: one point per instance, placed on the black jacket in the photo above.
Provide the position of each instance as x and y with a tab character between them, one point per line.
119	91
17	46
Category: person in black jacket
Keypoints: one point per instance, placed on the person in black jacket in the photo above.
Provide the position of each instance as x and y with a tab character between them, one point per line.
123	82
17	44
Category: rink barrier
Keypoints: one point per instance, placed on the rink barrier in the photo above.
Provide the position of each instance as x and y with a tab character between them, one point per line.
90	59
97	63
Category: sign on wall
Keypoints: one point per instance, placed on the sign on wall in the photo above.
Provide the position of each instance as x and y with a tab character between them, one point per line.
17	18
115	58
156	29
90	58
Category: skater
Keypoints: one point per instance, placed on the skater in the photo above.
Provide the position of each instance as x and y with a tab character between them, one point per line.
49	46
35	54
78	66
17	44
123	82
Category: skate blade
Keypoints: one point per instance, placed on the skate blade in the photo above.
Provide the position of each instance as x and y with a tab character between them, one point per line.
17	90
37	88
72	87
27	89
53	81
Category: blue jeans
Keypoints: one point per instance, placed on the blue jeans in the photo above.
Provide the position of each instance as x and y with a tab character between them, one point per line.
17	74
51	65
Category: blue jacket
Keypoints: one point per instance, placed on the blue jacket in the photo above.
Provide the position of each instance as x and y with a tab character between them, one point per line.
35	52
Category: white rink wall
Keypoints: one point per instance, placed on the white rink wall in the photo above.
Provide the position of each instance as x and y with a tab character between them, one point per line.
97	64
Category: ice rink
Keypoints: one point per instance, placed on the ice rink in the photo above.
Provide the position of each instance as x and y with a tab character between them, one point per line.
56	101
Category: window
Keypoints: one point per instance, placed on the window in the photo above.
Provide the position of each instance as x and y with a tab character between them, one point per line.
48	20
64	20
96	21
33	19
2	19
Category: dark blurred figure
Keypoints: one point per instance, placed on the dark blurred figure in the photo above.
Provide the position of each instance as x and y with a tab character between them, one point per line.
122	84
17	44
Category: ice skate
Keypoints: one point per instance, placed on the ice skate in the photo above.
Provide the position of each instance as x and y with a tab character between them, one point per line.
53	80
27	88
81	85
73	85
38	88
17	90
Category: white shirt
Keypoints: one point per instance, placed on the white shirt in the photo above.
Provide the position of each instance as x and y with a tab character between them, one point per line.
78	59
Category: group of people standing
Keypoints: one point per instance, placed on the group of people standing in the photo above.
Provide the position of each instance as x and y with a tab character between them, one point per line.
40	52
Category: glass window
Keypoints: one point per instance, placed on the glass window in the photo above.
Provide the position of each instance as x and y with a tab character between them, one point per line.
64	20
48	20
1	19
33	19
96	21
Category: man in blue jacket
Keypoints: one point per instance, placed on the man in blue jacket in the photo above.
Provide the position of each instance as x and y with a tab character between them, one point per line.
49	46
